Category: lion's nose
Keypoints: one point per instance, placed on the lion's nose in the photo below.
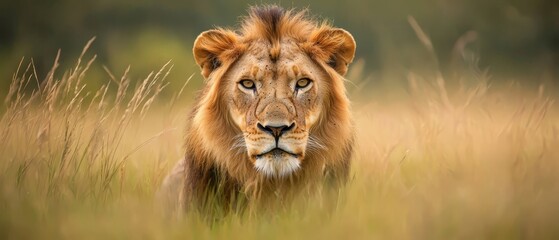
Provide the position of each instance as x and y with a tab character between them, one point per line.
276	131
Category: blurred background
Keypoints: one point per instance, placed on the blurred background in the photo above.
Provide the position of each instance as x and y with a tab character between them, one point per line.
515	39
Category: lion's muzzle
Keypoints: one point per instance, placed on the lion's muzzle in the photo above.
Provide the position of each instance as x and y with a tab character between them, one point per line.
278	155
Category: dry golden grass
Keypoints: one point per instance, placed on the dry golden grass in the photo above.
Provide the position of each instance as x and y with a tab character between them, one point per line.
475	161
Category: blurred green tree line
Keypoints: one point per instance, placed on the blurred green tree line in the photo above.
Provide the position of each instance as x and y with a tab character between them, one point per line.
516	39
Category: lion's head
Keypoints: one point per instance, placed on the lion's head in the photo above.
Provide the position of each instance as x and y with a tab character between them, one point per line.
274	91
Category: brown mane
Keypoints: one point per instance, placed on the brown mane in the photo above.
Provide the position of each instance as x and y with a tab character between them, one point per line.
273	23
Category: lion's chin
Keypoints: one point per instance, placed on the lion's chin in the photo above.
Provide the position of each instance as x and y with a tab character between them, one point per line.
277	163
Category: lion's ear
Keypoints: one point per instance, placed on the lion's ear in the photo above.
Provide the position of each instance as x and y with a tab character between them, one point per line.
212	48
334	46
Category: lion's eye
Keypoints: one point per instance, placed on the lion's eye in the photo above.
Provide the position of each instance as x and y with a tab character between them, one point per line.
248	84
302	83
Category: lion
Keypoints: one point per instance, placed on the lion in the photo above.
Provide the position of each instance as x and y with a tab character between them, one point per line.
273	118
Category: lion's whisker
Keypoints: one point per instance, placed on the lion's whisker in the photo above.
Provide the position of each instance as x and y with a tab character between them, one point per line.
239	145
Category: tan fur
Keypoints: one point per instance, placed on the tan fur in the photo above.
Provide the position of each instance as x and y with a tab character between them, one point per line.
274	48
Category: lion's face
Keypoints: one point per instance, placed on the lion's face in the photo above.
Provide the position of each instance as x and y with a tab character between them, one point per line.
276	82
275	102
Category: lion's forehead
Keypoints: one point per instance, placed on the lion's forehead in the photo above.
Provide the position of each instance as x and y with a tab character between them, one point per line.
262	60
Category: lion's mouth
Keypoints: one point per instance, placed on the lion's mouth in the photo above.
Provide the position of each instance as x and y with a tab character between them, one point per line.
277	163
276	152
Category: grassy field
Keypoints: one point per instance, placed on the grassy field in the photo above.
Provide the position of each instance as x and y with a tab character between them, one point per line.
467	161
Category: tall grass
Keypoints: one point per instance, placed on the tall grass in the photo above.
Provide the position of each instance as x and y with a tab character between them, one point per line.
474	161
